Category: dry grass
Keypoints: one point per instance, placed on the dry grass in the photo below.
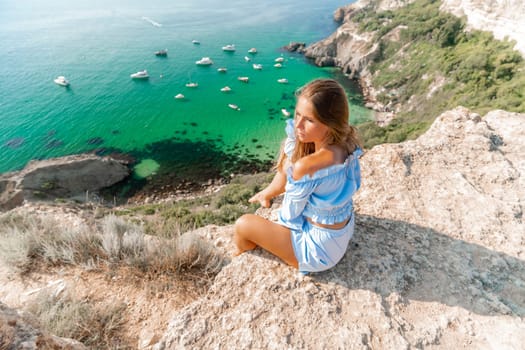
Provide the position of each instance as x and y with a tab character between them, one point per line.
98	327
29	243
110	245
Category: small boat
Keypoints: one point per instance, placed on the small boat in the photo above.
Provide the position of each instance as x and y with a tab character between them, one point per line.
179	96
285	112
195	42
243	79
162	53
279	59
252	50
282	81
278	65
226	89
192	85
61	80
233	106
247	59
257	66
143	74
205	61
222	70
229	47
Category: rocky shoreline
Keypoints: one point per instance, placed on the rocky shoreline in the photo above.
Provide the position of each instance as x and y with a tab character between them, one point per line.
110	180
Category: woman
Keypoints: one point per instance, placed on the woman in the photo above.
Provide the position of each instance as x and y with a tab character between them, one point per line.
318	171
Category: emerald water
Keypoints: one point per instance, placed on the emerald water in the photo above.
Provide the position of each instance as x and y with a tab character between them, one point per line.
96	45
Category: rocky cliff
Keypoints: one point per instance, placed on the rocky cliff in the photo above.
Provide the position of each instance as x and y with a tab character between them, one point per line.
60	177
437	260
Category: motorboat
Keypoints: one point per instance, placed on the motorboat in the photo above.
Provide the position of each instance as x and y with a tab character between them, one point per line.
205	61
222	70
278	65
234	106
226	89
279	59
282	81
285	112
61	80
192	85
143	74
252	50
247	59
162	53
179	96
243	79
257	66
195	42
229	47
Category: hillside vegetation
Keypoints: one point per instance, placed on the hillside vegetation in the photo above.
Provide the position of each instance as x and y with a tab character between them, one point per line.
433	65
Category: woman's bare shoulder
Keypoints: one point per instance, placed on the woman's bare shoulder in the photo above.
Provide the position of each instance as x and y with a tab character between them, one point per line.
314	162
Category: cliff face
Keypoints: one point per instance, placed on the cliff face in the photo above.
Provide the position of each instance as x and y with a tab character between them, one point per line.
437	259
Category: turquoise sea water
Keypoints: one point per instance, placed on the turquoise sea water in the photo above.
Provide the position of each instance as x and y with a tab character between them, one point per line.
98	44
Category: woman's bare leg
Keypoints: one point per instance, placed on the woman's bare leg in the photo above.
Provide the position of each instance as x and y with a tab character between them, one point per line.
252	231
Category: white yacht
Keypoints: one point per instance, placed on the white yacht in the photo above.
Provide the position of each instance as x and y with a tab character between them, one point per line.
162	53
143	74
252	50
229	47
222	69
233	106
192	85
243	79
282	81
61	80
279	59
257	66
278	65
205	61
179	96
247	59
285	112
226	89
195	42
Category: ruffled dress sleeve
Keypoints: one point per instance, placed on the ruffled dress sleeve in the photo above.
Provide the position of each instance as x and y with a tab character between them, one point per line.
289	143
294	201
296	195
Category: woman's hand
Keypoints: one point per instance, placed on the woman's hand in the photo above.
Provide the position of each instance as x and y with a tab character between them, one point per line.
261	197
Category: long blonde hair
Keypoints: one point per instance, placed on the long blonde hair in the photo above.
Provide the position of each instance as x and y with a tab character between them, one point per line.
331	108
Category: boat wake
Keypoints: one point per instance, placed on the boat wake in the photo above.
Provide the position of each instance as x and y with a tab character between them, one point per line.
152	22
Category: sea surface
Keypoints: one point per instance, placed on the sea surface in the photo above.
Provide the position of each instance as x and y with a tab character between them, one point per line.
97	44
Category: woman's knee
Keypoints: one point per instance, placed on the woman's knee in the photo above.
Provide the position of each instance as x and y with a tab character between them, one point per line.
243	222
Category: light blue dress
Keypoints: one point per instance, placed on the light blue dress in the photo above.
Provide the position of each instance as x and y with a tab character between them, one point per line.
325	198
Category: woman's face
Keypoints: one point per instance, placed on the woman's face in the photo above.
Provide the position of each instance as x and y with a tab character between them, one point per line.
307	127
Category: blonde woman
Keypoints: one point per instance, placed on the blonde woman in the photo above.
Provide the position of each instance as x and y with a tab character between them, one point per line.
318	172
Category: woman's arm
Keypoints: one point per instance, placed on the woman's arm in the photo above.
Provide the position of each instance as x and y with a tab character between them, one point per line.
275	188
